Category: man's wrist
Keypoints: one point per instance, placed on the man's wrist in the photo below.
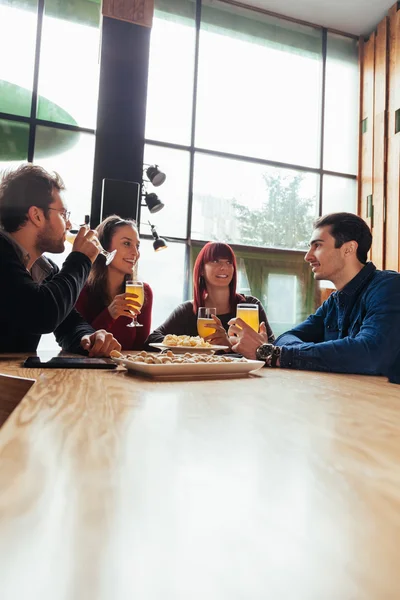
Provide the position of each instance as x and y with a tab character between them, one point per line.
270	354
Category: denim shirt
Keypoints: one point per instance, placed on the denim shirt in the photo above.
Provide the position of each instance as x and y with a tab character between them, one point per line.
356	330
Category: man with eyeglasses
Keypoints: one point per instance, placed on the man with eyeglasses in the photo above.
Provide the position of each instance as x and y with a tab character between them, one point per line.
37	297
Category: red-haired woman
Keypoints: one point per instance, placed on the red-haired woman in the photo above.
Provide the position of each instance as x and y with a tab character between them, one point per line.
214	286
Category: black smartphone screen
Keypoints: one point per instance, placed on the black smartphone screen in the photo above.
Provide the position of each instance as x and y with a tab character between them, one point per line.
65	362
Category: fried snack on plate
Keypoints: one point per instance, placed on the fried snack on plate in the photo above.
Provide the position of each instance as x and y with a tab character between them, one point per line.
150	358
116	354
185	340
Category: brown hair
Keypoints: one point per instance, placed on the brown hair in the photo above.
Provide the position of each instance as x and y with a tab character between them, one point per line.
28	185
97	280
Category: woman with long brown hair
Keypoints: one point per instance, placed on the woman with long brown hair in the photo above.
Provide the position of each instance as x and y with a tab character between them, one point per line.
103	301
214	286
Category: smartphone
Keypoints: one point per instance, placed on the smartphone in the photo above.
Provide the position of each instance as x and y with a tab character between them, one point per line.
65	362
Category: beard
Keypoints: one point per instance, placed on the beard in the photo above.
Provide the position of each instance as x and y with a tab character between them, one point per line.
47	242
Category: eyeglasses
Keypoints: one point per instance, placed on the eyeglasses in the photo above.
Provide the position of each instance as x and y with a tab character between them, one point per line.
64	213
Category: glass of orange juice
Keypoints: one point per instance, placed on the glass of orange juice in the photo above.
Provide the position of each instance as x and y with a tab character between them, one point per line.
204	318
249	314
135	287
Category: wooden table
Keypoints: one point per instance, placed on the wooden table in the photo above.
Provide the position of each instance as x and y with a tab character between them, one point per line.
281	486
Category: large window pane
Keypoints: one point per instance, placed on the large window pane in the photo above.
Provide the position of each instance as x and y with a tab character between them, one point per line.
14	137
18	20
71	154
68	77
252	204
170	85
164	271
259	88
339	195
341	105
172	219
282	296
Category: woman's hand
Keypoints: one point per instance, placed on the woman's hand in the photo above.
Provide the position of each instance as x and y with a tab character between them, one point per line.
219	337
123	305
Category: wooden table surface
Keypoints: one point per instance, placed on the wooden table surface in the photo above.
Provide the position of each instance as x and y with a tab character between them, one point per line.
280	486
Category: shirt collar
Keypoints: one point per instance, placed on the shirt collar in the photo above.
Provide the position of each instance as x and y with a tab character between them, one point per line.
41	268
358	281
23	254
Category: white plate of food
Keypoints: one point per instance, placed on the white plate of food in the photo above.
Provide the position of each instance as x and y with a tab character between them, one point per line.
186	343
183	349
189	365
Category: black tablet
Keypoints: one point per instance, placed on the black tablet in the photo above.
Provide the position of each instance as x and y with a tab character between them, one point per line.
65	362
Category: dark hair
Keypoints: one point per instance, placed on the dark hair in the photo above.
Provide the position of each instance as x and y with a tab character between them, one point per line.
346	227
21	188
213	251
97	280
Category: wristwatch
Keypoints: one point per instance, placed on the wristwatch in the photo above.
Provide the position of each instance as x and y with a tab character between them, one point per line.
269	354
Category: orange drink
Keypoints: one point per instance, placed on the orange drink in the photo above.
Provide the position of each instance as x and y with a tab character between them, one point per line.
202	330
134	288
249	314
203	319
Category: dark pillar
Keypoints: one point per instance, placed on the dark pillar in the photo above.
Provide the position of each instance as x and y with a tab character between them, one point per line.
121	112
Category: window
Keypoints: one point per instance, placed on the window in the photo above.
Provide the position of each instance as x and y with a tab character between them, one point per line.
281	302
71	154
252	204
339	194
341	105
248	169
171	72
69	63
259	86
164	271
17	30
14	139
66	91
172	219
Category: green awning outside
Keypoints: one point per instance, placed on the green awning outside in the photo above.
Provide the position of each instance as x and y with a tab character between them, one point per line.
86	12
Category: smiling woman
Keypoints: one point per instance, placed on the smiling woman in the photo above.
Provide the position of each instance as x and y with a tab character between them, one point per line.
214	287
103	301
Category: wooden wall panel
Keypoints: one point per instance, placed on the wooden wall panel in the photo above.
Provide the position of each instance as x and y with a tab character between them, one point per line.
367	118
139	12
379	144
379	167
392	245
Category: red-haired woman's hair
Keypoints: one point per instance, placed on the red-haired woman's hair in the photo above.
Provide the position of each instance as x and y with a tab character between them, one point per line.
213	251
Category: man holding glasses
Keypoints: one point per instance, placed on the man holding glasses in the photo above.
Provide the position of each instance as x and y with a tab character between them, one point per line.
357	330
37	297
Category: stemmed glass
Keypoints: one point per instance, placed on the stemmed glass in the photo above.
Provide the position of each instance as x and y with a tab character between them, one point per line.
71	234
204	318
135	287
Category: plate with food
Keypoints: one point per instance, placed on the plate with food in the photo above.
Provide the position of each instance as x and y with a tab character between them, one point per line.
169	364
187	343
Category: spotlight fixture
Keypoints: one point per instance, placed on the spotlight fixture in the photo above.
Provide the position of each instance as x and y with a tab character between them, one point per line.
156	177
153	202
159	242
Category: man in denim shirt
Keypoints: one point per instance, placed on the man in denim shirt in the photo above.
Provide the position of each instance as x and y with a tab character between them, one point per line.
357	330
